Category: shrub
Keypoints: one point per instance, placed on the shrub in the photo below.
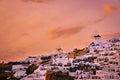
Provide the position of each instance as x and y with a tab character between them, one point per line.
58	76
31	69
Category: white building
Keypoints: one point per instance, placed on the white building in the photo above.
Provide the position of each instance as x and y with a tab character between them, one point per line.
20	70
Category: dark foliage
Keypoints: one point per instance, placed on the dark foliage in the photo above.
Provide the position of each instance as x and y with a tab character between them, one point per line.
7	76
31	69
17	63
45	57
4	67
59	76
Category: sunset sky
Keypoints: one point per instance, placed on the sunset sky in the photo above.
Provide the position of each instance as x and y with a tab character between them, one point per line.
38	27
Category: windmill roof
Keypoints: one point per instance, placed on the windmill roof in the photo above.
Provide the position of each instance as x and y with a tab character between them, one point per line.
97	35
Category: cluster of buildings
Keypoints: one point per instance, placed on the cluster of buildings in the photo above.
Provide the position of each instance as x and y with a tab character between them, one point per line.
19	70
101	61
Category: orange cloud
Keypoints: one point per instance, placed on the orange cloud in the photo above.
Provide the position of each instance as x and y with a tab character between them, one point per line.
108	10
57	32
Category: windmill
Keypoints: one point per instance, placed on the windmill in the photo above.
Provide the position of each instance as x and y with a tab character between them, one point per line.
59	50
97	37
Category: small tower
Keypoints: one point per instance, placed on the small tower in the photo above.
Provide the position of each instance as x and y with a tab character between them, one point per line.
59	50
98	39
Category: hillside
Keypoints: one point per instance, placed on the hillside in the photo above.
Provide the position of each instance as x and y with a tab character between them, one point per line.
100	61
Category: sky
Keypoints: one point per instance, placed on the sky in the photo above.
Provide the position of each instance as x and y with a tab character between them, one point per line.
38	27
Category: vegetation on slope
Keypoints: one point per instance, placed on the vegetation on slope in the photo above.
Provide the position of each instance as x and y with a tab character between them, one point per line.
31	69
50	75
77	52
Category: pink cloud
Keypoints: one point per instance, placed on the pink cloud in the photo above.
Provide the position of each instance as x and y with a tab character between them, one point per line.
115	35
57	32
37	1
